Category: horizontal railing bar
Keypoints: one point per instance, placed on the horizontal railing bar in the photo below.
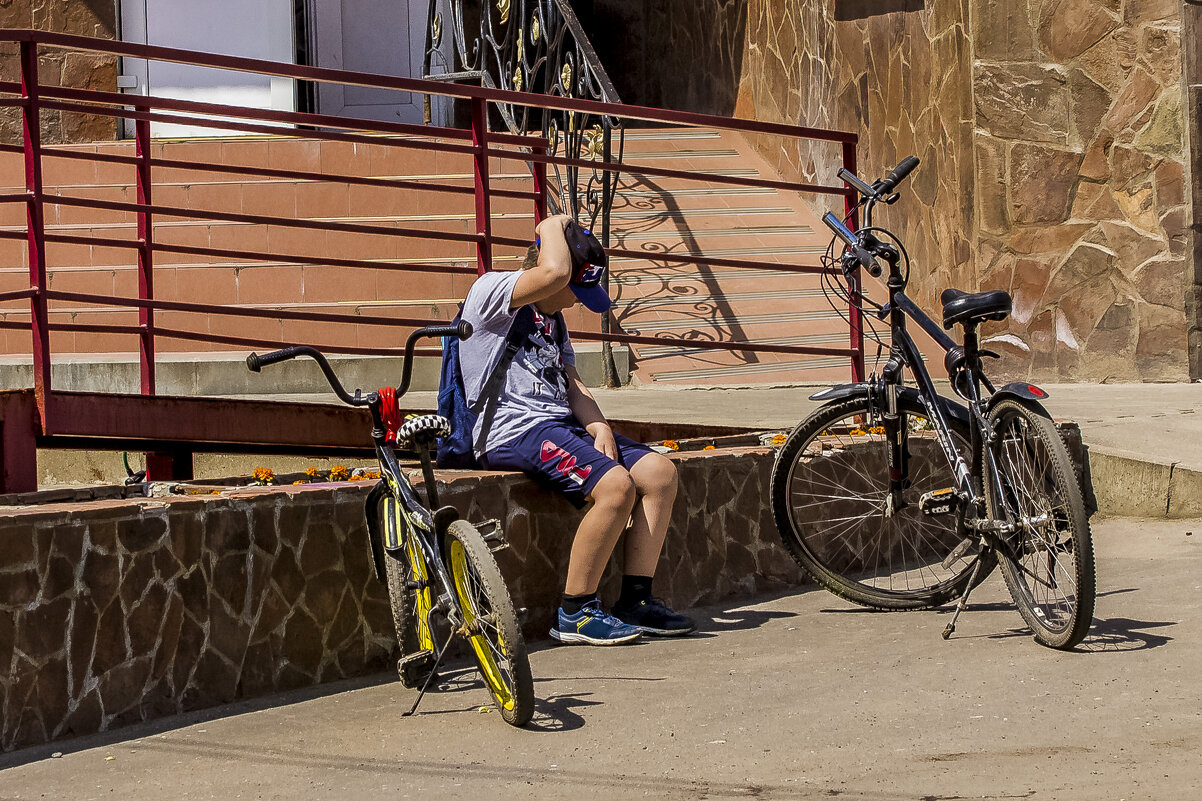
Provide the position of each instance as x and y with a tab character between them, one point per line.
225	253
18	294
175	333
237	311
10	86
303	175
634	339
662	172
419	86
302	118
16	197
270	130
255	219
315	260
683	258
15	326
95	328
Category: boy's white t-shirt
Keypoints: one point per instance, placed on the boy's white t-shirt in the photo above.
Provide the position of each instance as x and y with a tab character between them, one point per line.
536	384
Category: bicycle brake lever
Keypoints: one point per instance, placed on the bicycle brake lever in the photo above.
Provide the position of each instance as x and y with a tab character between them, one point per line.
989	353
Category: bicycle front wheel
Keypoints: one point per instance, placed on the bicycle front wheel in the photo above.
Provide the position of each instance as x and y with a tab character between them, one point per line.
1048	561
830	498
490	623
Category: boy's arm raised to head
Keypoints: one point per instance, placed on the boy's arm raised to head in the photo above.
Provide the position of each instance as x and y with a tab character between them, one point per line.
554	268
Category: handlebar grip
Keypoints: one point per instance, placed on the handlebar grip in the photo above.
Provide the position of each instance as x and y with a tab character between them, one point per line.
853	243
461	330
899	173
255	362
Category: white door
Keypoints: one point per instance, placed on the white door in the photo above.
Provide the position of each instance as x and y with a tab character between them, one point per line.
252	28
381	36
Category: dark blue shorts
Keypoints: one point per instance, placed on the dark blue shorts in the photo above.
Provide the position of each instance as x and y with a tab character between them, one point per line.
559	454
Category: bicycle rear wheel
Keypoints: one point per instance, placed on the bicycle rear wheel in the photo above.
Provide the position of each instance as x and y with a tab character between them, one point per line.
830	486
1048	563
490	623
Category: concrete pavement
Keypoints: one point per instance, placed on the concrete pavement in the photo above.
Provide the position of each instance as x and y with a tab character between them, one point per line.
801	696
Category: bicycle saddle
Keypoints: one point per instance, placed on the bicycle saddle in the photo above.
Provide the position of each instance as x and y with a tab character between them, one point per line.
970	308
423	428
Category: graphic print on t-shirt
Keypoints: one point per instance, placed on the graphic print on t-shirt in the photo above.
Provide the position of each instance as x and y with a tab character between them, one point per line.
543	360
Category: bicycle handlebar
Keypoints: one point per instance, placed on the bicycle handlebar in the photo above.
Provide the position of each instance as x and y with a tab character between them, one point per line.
255	362
899	174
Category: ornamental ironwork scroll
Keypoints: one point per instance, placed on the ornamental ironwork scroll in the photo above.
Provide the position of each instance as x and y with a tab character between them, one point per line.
536	46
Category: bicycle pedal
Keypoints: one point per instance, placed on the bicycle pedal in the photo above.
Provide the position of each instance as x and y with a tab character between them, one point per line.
939	502
492	534
414	668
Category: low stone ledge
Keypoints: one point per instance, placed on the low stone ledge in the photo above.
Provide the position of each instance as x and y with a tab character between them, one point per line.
123	610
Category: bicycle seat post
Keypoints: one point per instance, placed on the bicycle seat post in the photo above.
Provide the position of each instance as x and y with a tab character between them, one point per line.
423	453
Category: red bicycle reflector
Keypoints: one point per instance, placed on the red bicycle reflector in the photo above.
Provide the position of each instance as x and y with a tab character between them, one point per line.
1036	391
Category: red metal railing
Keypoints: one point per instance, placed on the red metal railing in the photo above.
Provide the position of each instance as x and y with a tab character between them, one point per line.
479	143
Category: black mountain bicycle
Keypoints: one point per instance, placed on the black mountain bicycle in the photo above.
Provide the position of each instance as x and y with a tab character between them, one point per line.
440	570
895	497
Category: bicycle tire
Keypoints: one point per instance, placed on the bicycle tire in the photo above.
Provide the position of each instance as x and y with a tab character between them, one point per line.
410	606
1056	555
490	622
831	466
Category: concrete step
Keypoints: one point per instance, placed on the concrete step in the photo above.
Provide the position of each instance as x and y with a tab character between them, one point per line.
224	374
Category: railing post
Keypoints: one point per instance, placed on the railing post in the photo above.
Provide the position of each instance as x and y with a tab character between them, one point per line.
35	229
145	257
539	170
483	191
854	317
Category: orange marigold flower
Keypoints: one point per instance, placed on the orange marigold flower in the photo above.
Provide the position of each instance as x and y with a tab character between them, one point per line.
263	475
301	481
671	443
857	431
708	448
779	439
339	473
312	472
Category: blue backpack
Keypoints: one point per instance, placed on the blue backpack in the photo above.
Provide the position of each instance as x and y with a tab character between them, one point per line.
456	451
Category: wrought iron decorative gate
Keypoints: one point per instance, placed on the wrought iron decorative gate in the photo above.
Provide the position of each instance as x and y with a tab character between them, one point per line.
535	46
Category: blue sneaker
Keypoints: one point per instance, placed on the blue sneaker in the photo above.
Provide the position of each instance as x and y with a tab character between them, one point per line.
654	617
592	626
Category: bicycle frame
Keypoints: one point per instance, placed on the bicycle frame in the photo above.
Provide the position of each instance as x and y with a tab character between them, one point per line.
904	352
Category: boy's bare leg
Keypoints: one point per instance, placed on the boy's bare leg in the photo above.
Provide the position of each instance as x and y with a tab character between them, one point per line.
613	498
655	480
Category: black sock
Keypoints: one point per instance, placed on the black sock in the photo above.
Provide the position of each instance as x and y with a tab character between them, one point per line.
635	589
572	604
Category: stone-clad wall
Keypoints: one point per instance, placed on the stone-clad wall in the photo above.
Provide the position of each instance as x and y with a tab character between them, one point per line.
1082	154
1055	148
1191	40
902	81
78	70
117	611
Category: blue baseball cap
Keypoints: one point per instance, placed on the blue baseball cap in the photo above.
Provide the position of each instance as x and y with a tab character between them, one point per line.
589	263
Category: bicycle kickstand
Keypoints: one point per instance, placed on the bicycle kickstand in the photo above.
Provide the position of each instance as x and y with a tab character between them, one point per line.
433	672
972	583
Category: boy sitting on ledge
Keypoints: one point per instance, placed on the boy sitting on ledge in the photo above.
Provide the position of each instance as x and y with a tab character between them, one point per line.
538	417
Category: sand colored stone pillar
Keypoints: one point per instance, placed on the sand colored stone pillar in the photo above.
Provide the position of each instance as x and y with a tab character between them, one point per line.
1081	152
